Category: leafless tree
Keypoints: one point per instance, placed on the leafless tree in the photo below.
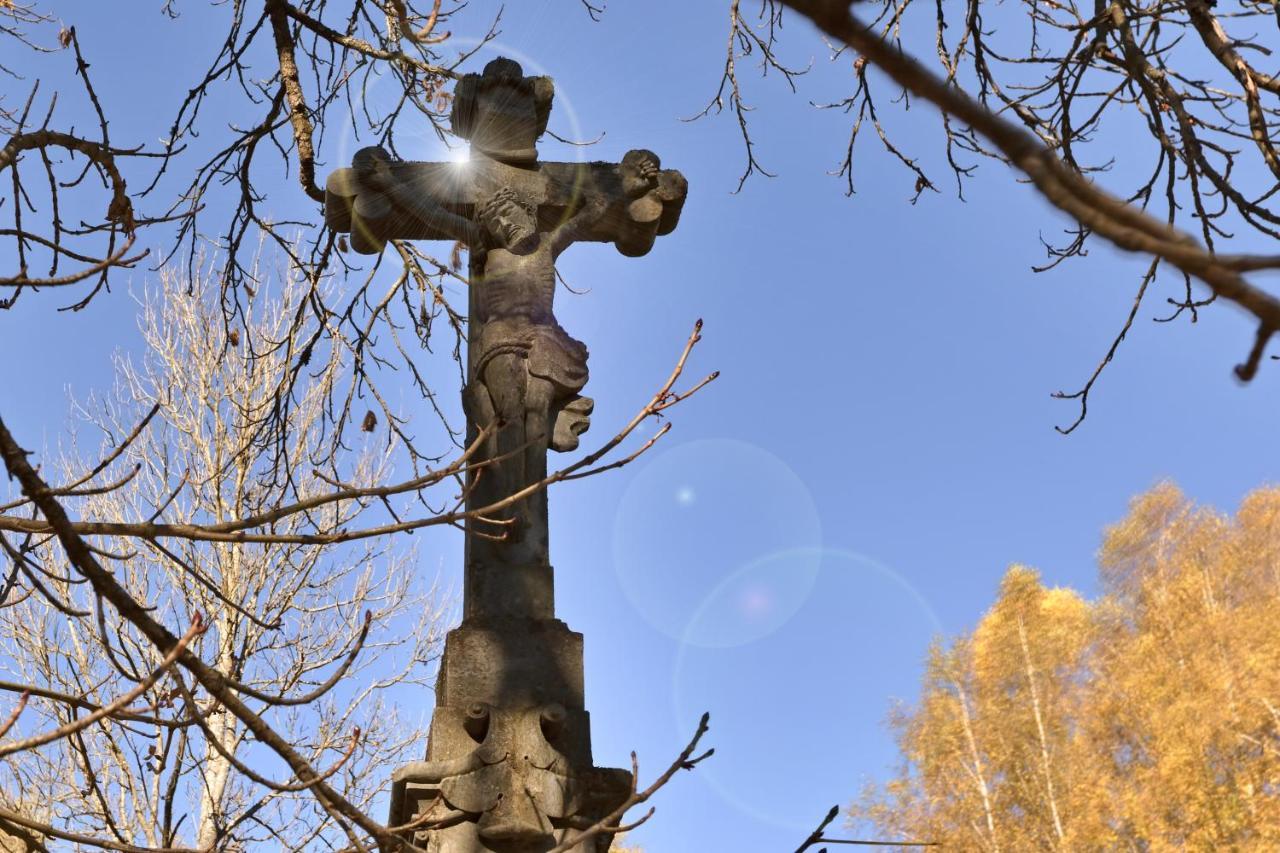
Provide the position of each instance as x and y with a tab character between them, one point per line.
326	62
318	639
1179	91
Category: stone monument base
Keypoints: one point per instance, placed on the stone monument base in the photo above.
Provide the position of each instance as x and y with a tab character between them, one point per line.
508	766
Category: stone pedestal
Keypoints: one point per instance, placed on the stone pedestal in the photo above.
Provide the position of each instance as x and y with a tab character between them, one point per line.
508	766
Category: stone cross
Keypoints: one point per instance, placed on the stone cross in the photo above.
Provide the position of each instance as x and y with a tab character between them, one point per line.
508	765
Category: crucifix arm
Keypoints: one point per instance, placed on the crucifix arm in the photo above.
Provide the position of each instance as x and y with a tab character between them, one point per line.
579	225
428	211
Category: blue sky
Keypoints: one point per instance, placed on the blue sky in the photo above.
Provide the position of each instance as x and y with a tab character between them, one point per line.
880	445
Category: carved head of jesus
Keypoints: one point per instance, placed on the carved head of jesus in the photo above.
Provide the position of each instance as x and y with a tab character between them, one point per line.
509	221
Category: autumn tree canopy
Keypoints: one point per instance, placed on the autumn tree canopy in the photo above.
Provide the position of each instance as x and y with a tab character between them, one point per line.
1148	719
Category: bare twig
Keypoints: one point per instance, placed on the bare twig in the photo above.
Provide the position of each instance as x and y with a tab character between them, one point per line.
612	822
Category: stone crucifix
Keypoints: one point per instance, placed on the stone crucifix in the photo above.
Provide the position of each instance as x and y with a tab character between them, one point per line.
509	763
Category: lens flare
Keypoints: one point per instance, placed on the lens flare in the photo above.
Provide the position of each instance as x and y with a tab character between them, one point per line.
696	516
828	674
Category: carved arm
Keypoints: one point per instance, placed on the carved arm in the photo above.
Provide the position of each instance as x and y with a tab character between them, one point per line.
377	199
578	226
424	208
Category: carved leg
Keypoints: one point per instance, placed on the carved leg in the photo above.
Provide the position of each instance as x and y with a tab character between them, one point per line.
538	400
538	396
505	378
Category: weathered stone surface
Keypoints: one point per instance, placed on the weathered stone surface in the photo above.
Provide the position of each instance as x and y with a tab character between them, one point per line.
382	199
509	766
516	772
506	663
524	591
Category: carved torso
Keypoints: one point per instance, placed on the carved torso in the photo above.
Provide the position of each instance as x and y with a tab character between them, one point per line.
518	286
515	313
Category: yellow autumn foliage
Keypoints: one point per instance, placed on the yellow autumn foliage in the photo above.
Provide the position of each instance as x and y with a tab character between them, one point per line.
1146	720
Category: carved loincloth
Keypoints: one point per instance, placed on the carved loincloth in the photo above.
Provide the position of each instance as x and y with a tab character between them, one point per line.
549	352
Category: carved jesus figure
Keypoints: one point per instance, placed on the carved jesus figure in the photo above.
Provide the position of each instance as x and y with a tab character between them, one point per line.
527	371
529	368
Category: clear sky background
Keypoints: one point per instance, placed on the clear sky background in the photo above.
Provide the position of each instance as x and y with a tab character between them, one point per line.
879	448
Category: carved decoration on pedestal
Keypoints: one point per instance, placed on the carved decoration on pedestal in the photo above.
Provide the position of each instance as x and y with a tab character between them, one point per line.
514	787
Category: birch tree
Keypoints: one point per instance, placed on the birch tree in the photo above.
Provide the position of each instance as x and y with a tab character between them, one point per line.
281	620
1144	720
